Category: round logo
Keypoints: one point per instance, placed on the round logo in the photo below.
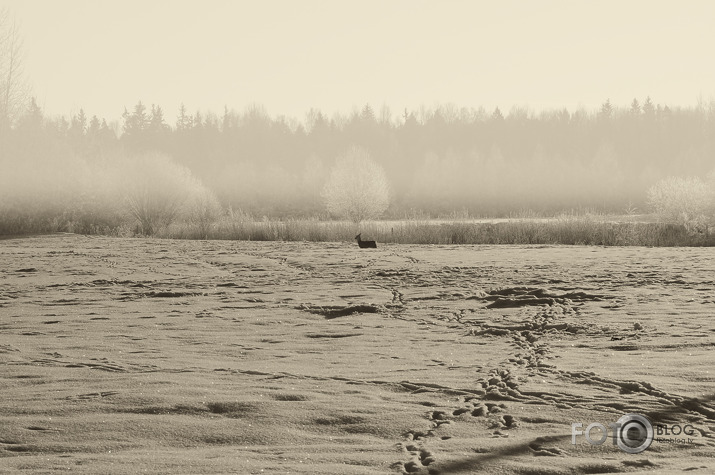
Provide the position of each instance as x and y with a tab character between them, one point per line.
635	433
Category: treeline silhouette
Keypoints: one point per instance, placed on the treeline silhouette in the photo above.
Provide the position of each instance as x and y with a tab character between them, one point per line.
438	160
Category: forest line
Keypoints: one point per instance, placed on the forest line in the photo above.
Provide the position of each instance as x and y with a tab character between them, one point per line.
438	161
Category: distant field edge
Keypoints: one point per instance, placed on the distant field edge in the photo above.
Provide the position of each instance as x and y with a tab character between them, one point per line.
556	231
589	231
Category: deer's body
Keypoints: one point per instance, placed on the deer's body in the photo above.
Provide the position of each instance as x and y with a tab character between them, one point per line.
364	244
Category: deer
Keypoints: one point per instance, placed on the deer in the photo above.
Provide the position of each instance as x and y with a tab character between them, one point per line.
365	244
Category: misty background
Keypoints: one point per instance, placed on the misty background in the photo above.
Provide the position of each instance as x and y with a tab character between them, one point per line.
437	161
582	144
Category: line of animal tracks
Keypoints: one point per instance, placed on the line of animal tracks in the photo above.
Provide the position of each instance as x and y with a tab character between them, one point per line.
298	357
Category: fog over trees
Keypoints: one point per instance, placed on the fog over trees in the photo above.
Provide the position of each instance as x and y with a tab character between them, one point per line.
437	160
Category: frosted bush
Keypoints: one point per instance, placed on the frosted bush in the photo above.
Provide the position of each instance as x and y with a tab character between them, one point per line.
202	209
357	187
156	190
684	200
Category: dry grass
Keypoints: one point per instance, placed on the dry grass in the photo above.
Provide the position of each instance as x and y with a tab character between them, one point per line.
599	230
570	229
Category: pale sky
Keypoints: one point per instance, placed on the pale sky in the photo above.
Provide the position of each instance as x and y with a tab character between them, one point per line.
292	55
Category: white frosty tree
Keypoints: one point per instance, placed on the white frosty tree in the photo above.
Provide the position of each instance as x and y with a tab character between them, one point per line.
688	201
357	188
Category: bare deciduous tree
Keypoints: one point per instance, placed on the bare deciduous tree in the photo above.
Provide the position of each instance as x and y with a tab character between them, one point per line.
357	187
156	190
13	87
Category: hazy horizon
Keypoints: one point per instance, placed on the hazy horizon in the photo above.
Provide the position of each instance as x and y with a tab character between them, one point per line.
440	61
337	56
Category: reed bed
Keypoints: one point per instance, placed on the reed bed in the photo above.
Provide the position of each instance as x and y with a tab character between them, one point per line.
569	230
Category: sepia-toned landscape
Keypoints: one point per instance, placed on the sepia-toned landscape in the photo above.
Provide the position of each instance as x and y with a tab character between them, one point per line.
125	355
339	237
